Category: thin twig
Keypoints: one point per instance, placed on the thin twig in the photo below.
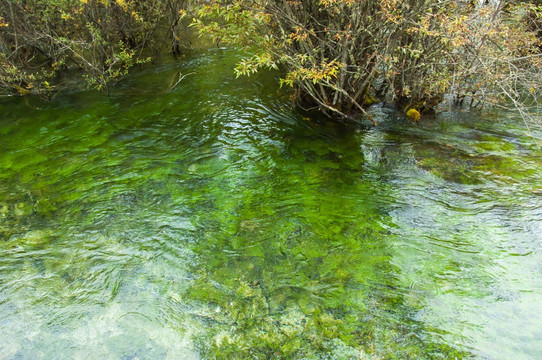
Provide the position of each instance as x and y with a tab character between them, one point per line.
181	77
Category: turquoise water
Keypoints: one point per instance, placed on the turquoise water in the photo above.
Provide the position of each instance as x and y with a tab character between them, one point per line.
214	220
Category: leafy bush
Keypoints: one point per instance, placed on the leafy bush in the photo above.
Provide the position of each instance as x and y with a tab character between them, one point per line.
102	38
343	55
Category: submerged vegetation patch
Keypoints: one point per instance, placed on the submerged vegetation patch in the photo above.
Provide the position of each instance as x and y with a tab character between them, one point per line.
215	221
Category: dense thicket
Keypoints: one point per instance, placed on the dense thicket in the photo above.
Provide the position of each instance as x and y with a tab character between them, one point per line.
343	55
102	39
340	55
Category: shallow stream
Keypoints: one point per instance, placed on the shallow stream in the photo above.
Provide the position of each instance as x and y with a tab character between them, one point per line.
214	220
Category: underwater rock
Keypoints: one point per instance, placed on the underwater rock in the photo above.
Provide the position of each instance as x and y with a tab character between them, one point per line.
35	237
4	210
22	209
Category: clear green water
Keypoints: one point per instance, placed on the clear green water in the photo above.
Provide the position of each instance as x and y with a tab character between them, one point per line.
214	221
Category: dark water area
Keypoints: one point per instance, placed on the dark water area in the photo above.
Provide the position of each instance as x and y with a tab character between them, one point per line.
216	221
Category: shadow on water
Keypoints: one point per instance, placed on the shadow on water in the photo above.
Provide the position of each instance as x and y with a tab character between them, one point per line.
211	220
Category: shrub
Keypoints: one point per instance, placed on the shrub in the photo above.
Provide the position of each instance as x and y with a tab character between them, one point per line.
342	54
101	38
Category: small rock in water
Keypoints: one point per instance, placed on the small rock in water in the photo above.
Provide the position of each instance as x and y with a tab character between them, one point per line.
4	210
20	209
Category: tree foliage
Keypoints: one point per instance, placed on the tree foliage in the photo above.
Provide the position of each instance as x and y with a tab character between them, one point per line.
101	38
343	55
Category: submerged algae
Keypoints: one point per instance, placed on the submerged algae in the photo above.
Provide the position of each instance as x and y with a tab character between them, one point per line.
214	222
